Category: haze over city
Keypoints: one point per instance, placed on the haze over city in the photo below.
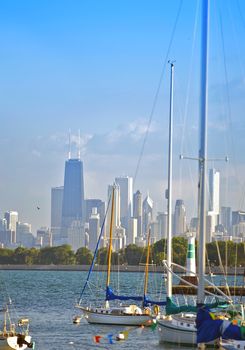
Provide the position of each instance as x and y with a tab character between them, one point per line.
96	66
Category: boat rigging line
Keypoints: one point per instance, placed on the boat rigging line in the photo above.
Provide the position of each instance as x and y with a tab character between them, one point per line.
157	90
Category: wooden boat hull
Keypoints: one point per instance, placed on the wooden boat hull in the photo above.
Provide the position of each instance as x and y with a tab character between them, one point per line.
110	319
10	343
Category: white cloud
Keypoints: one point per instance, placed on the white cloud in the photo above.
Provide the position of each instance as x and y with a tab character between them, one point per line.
58	143
36	153
134	130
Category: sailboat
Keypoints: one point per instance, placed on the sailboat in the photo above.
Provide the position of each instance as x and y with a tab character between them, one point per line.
132	314
14	336
190	328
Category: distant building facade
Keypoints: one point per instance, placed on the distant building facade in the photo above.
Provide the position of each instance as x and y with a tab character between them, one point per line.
56	213
137	211
12	219
126	199
147	214
179	218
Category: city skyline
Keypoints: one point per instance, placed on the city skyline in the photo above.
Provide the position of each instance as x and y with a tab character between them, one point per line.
78	224
95	68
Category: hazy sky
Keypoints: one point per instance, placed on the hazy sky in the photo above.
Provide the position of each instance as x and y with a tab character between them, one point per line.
95	65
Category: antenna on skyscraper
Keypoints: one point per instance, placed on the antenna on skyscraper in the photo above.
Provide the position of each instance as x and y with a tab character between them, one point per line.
79	145
69	152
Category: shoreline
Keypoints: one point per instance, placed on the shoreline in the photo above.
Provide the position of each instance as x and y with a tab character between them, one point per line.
114	268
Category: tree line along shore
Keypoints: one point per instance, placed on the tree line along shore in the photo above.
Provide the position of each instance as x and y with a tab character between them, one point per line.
229	254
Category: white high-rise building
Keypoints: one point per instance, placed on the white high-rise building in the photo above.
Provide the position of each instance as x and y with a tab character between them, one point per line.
12	219
22	229
147	214
118	232
214	206
126	199
132	231
137	211
76	235
116	216
214	191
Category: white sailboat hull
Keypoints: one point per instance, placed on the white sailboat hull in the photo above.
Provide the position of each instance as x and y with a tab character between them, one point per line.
8	343
101	317
233	344
177	332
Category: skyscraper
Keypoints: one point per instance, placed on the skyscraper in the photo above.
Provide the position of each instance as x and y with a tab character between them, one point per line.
22	229
116	216
44	237
147	214
72	227
179	218
214	206
56	210
126	199
137	211
225	218
118	232
12	219
89	204
94	229
162	220
214	191
73	197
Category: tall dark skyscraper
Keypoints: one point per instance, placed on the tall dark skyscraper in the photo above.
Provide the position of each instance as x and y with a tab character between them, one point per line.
73	197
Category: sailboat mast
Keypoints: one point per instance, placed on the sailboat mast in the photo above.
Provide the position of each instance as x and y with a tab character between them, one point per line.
203	148
147	264
110	240
169	192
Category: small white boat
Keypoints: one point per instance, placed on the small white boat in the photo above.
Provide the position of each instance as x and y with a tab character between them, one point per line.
178	329
15	336
131	315
232	344
76	319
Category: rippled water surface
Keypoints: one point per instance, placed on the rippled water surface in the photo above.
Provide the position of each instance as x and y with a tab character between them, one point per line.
47	298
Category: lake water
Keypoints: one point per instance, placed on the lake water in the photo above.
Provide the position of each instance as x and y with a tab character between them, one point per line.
47	298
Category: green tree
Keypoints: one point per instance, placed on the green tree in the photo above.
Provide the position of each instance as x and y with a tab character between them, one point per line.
102	256
179	250
6	256
84	256
159	257
134	254
61	255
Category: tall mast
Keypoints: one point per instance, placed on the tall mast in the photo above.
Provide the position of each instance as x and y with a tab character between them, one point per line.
169	192
110	239
203	148
147	265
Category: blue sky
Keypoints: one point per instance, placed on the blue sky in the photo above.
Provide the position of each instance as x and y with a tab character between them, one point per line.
95	66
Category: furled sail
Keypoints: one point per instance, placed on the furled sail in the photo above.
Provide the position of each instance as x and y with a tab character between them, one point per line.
111	296
172	308
211	326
